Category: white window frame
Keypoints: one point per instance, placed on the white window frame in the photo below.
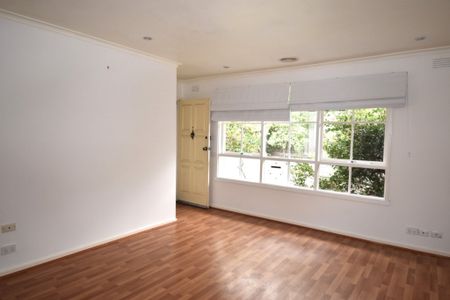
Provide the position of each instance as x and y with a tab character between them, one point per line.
317	161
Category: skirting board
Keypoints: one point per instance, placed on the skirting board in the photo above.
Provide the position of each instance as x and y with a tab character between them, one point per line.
82	248
192	204
357	236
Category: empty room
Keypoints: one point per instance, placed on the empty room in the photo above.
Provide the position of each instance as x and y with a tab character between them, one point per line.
207	149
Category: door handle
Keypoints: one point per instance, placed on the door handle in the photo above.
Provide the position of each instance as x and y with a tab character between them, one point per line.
206	148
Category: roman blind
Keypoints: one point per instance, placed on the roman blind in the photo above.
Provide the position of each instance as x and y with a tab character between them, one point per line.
251	115
251	103
380	90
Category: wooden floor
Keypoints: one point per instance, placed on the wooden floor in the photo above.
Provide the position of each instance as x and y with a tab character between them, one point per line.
220	255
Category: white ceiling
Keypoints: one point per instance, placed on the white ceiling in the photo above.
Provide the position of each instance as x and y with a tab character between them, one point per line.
205	35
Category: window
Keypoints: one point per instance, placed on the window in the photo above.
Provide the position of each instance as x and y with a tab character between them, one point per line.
340	151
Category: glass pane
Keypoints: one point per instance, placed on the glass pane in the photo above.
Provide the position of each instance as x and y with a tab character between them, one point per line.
368	182
368	142
239	168
370	115
232	136
301	174
251	138
303	140
333	178
303	116
275	172
276	139
338	115
336	141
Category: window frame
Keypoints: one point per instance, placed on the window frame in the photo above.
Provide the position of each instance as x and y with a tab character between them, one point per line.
316	161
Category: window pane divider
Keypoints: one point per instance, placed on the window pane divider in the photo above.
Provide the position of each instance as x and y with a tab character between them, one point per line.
352	122
237	155
352	136
318	150
296	160
242	133
354	164
261	152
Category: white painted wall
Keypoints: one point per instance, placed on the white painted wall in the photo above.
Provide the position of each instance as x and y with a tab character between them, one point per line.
86	153
419	185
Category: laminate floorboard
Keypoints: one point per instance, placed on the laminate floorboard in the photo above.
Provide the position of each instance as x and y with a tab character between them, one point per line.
214	254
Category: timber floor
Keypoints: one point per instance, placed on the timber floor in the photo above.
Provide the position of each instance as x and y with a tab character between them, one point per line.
214	254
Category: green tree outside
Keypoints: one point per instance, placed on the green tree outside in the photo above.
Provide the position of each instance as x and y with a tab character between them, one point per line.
244	138
368	143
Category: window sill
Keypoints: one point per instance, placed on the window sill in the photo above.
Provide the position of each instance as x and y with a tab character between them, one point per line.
320	193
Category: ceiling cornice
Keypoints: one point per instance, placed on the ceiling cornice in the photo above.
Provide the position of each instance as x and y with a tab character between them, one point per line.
76	34
318	64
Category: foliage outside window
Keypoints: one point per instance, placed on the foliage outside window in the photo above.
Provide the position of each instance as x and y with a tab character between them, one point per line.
338	151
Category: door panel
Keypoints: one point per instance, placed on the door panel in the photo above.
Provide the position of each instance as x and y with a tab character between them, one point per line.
193	160
184	178
185	148
186	117
199	174
201	117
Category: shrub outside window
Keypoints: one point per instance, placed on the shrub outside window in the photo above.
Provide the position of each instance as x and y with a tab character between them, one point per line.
337	151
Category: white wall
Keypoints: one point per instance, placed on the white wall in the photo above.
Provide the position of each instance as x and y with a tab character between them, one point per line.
86	153
419	185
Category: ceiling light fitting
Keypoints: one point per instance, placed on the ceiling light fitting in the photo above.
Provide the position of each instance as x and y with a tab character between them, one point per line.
147	38
420	38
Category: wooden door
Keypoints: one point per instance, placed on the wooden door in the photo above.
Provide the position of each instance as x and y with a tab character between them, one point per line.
193	152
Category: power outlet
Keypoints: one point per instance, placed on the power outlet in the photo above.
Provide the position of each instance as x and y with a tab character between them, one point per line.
412	231
8	249
436	235
424	233
8	227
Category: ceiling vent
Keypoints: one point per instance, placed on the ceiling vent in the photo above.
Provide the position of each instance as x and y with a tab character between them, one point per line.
443	62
